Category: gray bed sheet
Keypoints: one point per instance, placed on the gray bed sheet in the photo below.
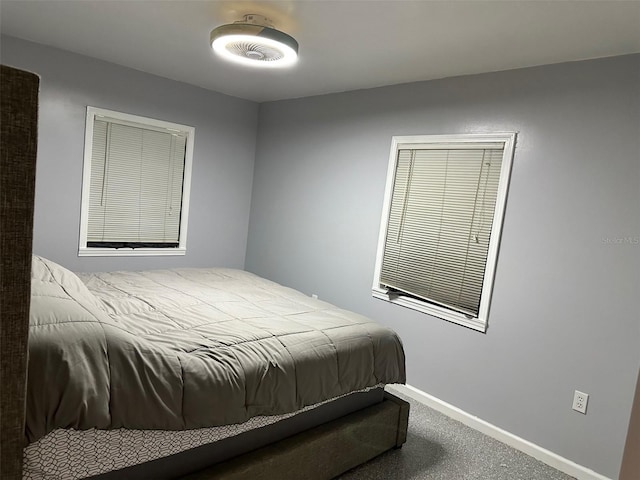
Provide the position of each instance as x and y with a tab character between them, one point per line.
189	348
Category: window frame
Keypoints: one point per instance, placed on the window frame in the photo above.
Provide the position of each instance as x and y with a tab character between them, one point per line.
479	323
135	120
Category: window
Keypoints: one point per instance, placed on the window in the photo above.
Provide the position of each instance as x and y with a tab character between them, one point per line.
135	186
441	222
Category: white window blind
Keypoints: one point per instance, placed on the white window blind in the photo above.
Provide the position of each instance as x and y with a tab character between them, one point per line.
440	227
135	185
440	223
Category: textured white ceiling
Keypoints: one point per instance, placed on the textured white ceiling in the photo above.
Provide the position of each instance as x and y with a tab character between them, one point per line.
344	45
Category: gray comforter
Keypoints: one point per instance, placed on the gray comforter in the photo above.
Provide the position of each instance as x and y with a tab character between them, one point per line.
189	348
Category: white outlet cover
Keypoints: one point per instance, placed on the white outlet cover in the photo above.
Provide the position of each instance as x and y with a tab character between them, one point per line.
580	400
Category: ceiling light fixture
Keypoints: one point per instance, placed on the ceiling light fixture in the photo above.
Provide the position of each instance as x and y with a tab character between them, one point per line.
253	41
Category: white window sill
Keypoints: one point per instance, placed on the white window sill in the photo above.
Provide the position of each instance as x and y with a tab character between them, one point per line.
431	309
130	252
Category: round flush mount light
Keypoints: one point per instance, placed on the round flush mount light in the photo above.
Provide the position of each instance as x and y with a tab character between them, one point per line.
253	41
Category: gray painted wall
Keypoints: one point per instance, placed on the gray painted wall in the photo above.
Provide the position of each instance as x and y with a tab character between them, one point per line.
564	314
222	164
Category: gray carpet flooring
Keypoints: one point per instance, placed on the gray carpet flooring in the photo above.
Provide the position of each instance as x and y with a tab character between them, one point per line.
440	448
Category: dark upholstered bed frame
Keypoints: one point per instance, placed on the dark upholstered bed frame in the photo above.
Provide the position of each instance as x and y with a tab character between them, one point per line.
322	452
316	445
18	143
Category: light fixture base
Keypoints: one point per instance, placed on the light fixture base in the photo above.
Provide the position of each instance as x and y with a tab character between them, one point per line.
255	19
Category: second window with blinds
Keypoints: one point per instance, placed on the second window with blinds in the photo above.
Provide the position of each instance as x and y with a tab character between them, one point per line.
136	181
441	222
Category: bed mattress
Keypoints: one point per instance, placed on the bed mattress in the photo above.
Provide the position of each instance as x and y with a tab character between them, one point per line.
185	349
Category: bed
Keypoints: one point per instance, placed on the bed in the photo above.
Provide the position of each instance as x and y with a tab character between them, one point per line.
202	373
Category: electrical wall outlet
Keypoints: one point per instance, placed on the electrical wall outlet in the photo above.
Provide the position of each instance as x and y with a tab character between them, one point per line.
313	295
580	400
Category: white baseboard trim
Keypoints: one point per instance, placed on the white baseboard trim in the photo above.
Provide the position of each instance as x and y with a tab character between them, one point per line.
525	446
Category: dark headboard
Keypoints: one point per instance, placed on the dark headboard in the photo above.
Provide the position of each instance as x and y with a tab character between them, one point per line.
18	144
